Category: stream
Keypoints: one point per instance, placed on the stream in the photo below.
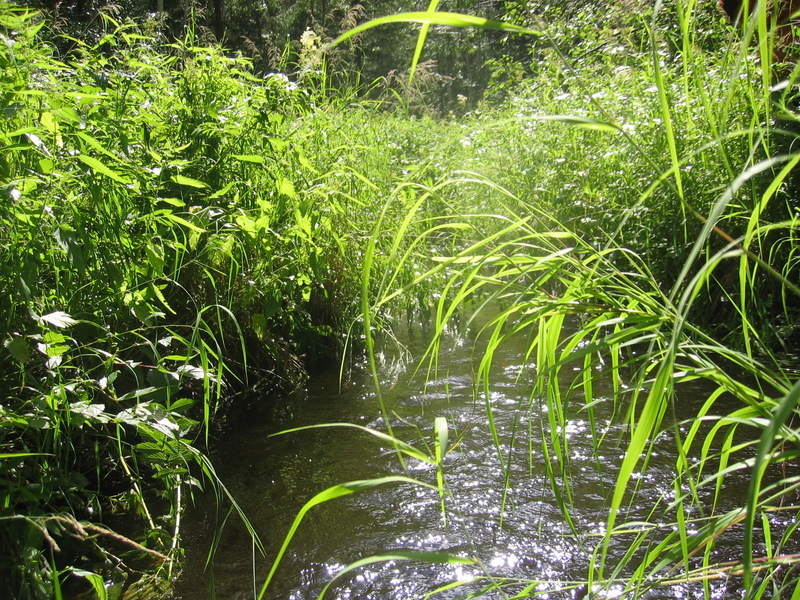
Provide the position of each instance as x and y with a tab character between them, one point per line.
533	545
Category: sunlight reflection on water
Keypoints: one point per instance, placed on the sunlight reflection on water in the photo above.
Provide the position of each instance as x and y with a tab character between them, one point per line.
272	477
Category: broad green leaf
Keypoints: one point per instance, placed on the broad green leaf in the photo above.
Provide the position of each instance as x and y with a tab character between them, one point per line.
99	167
246	224
286	187
135	394
273	302
155	256
173	202
69	114
278	145
49	122
46	166
303	160
193	372
188	182
250	158
19	348
223	191
259	324
54	337
96	145
154	291
67	239
184	222
91	412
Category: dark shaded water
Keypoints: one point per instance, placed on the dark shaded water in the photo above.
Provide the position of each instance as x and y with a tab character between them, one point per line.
272	477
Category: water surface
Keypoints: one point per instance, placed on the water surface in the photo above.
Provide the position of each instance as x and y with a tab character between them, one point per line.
536	539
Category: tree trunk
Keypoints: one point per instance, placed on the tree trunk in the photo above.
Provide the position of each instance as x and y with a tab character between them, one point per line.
219	23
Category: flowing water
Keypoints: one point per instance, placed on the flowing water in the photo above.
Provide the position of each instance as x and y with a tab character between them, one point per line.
273	476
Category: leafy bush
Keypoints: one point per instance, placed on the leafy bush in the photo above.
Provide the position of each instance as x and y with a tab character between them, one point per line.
167	243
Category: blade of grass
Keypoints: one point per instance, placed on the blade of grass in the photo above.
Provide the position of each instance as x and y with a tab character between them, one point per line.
331	493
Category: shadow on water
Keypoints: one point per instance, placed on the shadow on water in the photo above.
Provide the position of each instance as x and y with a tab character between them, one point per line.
273	476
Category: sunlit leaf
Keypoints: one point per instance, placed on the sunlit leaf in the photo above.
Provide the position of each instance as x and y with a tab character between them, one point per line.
95	144
250	158
435	18
95	580
286	187
92	412
278	145
192	371
99	167
181	221
48	121
58	319
224	190
188	182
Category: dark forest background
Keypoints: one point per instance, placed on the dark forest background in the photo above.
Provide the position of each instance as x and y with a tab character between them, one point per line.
457	64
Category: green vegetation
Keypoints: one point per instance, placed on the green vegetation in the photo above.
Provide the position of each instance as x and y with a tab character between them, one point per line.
167	245
181	233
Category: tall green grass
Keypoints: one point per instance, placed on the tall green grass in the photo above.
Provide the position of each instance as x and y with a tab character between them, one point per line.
170	244
178	233
635	217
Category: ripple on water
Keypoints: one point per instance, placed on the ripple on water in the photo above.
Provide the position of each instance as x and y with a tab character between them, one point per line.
501	506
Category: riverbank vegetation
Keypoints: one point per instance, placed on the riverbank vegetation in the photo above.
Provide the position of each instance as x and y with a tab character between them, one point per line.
183	233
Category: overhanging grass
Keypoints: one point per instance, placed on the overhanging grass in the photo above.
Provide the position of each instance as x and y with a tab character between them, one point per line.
163	248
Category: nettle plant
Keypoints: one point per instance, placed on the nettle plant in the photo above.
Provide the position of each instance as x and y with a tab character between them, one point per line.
152	195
